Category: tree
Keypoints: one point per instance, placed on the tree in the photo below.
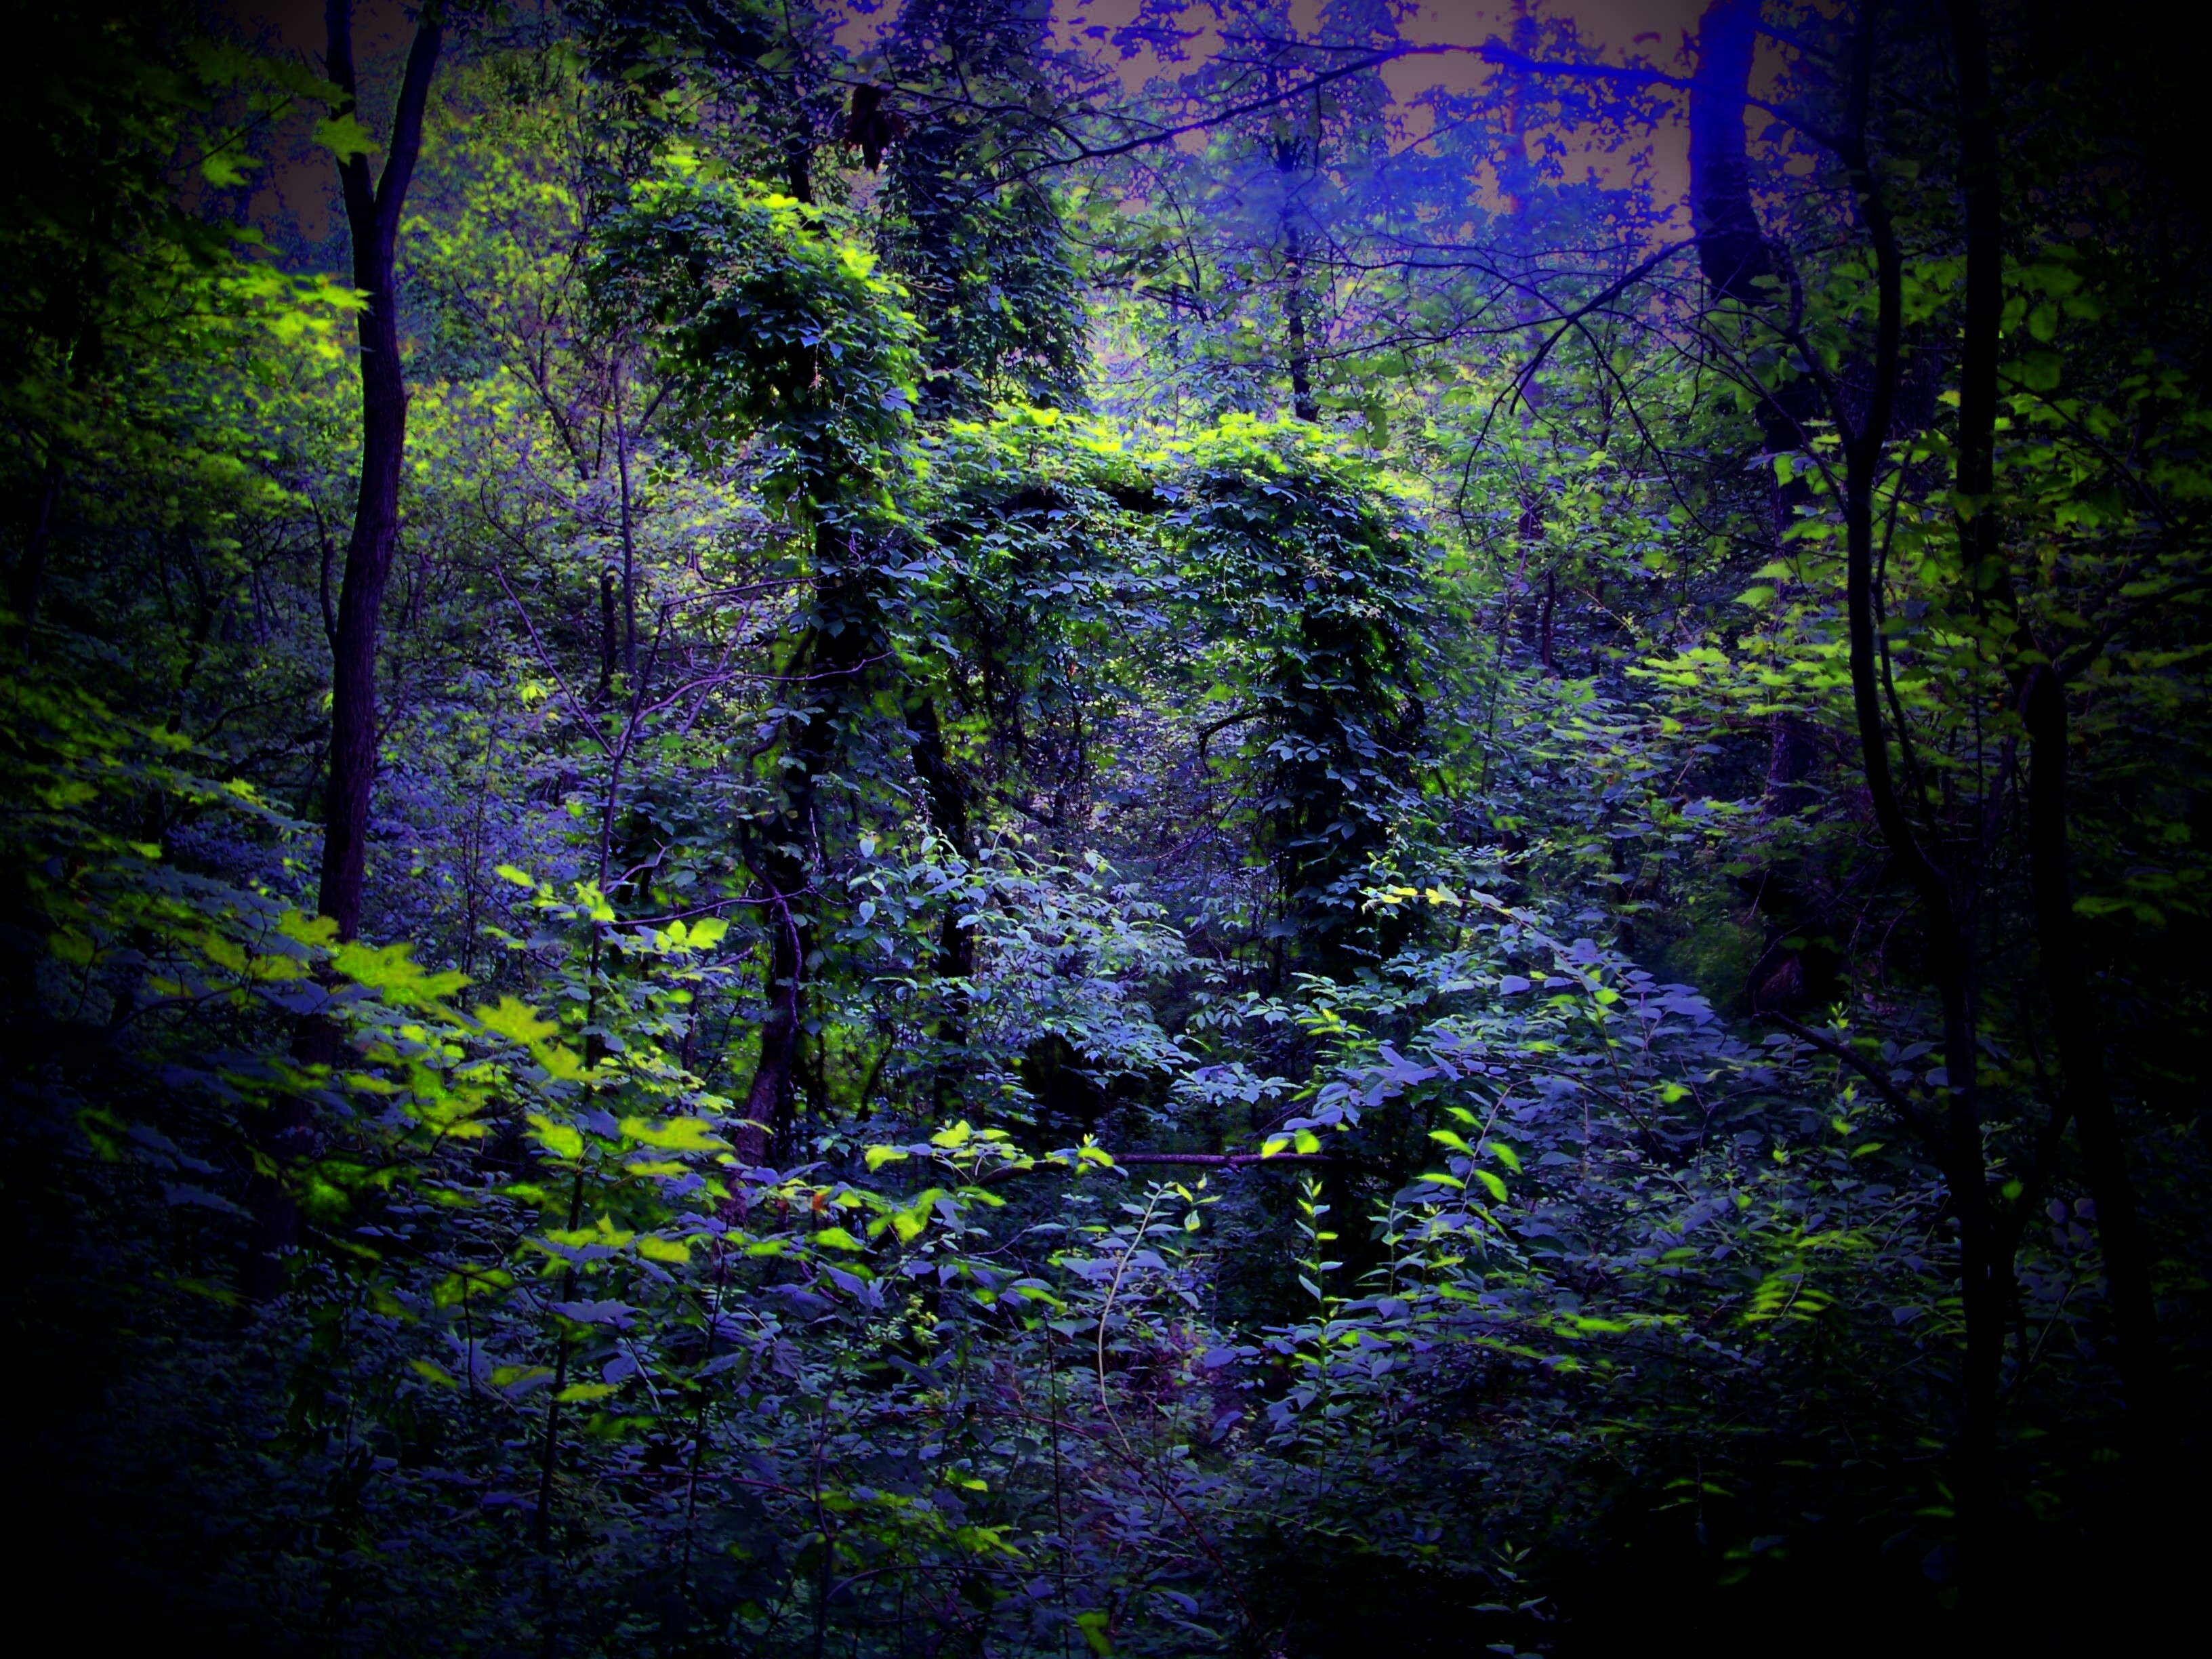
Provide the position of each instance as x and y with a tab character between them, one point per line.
773	323
968	227
373	210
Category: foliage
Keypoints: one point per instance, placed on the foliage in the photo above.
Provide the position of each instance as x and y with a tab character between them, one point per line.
1125	894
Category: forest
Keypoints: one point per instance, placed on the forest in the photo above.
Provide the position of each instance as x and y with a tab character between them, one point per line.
1267	828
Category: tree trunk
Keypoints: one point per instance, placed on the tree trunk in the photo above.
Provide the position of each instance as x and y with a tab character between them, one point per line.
1732	249
1734	255
770	1101
947	798
2142	1360
1294	316
287	1134
1947	896
828	665
1293	155
372	217
2081	1044
28	581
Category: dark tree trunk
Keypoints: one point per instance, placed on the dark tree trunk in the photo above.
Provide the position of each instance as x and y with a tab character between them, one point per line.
770	1101
88	349
1732	250
1947	895
2085	1098
826	669
1977	361
1734	255
2081	1057
610	643
28	581
1292	156
1303	404
947	798
372	217
373	212
1793	751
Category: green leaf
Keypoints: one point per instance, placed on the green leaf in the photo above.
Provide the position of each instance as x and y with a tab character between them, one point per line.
677	1134
516	1019
228	167
558	1138
344	137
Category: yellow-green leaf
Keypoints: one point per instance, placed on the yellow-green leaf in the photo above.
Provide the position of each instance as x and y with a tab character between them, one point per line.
677	1134
558	1138
514	1018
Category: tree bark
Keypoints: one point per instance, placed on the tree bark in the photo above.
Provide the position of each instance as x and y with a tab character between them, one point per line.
1732	249
1946	896
286	1135
27	581
1293	155
828	665
947	799
1303	404
1733	256
372	217
2081	1058
2085	1096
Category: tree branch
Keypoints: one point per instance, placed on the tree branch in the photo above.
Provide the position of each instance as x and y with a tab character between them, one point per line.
1897	1100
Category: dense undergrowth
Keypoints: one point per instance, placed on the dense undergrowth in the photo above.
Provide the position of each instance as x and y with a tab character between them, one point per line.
1000	994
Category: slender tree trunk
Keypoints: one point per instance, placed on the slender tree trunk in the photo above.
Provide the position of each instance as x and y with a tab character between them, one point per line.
955	949
2081	1044
28	581
628	540
769	1103
609	636
286	1135
1292	156
1303	404
1736	258
372	217
826	673
1947	896
2081	1053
